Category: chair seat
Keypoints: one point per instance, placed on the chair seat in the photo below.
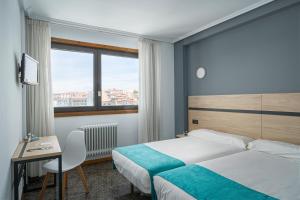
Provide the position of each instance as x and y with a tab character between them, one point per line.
52	166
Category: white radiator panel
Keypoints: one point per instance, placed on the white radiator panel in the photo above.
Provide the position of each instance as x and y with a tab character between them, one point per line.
100	140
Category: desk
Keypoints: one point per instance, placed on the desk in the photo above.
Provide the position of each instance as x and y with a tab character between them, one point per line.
23	155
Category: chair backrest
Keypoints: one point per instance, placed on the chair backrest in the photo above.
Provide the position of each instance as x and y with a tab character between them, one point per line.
74	151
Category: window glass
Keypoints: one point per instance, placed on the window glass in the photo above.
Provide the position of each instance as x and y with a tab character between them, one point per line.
72	78
119	80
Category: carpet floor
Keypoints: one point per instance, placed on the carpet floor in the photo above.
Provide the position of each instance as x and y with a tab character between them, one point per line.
104	184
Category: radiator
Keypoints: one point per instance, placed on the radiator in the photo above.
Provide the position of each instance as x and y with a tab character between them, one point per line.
100	139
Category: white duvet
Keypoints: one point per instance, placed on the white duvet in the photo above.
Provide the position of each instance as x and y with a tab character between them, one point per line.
189	149
273	175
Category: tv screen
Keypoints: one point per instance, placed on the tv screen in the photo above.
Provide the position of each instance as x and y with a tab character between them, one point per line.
29	70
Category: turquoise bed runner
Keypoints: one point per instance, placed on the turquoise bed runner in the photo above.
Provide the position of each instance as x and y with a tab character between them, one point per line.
202	183
151	160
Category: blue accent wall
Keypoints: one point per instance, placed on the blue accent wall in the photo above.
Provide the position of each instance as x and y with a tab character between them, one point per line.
258	52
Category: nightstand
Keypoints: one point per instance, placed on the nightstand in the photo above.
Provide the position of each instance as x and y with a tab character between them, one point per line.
180	135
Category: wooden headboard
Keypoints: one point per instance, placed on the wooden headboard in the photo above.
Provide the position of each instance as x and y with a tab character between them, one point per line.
267	116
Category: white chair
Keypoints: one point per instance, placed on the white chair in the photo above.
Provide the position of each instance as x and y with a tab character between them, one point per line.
73	156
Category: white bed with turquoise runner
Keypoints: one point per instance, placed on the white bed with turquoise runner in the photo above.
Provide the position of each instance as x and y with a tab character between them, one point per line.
249	175
139	163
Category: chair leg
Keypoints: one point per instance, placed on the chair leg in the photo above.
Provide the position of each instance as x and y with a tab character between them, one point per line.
66	179
83	179
44	186
131	188
63	186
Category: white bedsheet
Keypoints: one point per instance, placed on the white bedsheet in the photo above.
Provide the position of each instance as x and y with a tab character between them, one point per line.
188	149
270	174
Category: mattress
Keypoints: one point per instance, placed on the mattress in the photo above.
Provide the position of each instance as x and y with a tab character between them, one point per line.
187	149
275	176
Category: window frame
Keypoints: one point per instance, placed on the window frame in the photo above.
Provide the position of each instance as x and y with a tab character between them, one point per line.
97	51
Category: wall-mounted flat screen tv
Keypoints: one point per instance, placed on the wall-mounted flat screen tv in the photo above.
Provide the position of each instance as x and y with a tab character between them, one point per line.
29	70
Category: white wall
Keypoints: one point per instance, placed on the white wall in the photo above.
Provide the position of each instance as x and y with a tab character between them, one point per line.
11	35
128	123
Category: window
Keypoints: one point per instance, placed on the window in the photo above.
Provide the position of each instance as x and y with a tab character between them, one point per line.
93	79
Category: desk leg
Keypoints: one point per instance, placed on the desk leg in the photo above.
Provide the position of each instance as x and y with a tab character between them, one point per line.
60	177
25	177
16	184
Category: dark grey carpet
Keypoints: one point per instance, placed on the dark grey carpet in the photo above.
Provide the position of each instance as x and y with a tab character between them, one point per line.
104	184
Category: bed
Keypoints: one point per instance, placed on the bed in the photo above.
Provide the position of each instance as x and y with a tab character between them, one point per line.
199	145
268	170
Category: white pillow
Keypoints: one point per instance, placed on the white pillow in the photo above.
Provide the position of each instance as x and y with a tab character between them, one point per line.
282	149
221	137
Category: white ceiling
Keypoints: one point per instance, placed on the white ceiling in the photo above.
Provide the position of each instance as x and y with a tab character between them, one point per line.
167	20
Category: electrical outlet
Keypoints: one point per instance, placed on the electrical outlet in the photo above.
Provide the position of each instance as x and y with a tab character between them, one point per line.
195	121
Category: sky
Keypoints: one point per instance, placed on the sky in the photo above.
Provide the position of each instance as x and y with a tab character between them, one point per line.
73	71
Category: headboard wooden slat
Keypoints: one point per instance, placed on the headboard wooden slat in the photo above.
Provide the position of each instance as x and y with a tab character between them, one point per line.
244	124
285	102
239	102
281	128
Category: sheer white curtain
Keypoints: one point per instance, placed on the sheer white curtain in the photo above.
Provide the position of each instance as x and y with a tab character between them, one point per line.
149	90
39	109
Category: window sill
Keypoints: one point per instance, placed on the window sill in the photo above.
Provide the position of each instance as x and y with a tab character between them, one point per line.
98	112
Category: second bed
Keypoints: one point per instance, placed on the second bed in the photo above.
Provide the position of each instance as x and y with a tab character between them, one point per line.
269	170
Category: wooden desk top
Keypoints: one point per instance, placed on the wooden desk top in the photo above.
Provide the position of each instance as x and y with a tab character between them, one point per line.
50	143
